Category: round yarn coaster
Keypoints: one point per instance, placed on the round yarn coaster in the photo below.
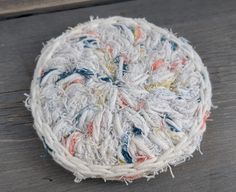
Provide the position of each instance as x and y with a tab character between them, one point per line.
119	99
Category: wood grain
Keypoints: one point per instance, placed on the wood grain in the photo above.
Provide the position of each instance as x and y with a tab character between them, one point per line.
16	8
209	25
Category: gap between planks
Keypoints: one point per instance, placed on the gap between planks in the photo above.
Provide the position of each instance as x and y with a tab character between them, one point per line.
18	8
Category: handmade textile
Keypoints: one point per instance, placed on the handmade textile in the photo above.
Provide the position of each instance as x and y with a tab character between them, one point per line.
119	99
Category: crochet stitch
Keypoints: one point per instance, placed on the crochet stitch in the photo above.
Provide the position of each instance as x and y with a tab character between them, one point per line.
119	99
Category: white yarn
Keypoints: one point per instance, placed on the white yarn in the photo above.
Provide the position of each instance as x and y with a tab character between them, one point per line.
119	99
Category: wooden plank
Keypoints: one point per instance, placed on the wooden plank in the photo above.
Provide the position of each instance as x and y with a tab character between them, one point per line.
210	25
16	8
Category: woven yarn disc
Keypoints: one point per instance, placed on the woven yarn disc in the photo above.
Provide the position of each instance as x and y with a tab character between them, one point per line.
119	99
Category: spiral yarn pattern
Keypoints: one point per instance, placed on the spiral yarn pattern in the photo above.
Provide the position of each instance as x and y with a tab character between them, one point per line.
119	99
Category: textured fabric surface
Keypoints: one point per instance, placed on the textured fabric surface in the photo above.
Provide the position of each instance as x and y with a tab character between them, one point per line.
119	99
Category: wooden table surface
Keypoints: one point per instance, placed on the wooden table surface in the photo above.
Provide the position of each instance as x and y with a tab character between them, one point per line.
211	28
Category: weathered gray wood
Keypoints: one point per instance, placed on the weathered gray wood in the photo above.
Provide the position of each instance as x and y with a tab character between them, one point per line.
209	25
16	8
